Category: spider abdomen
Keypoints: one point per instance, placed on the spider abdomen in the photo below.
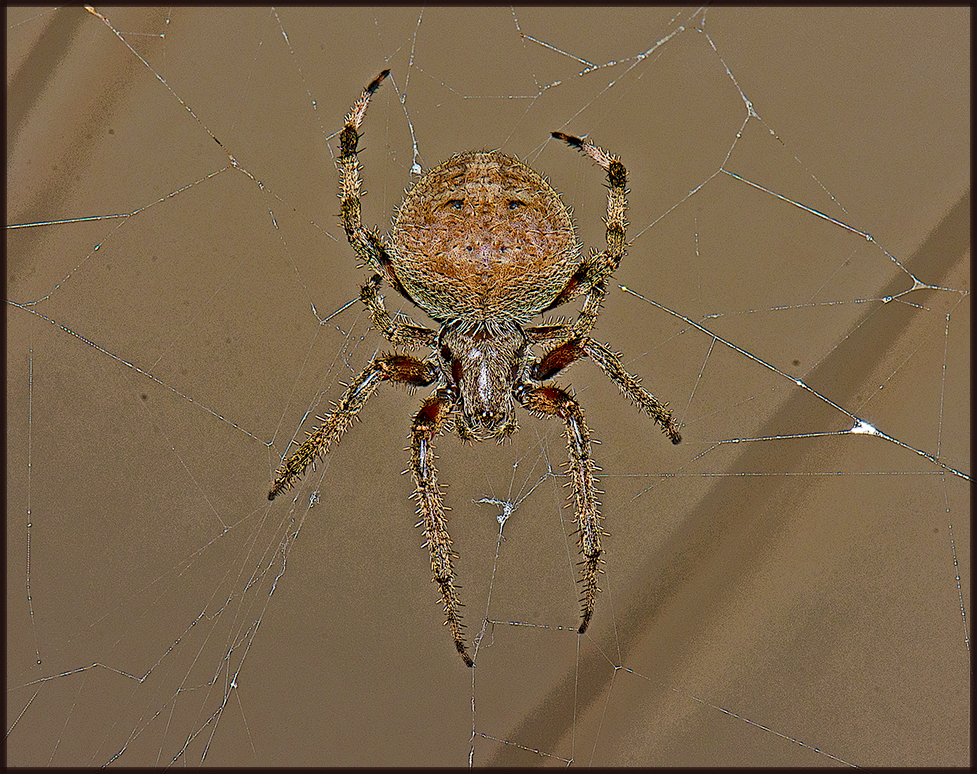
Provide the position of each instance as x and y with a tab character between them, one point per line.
484	237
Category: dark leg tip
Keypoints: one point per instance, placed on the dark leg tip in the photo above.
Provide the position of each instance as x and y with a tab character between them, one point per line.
375	83
569	139
464	654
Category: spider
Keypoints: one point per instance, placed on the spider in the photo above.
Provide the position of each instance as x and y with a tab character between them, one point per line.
482	244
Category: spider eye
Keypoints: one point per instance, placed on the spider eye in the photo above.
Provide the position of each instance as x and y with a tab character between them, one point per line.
455	204
514	204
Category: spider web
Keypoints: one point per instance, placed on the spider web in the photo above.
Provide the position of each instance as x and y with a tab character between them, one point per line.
791	585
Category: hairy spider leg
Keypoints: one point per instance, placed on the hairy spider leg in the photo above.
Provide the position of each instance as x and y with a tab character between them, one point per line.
404	331
385	367
430	420
630	386
598	266
554	401
592	279
436	409
366	244
576	344
569	352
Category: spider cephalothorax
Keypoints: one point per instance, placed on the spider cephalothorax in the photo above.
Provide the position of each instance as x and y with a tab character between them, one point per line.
482	244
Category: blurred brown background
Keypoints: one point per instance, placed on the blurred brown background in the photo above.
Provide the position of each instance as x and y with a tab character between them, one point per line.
796	598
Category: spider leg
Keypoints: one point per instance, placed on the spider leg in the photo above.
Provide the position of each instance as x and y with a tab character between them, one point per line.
429	421
553	401
597	267
397	368
592	279
630	385
408	333
366	244
576	348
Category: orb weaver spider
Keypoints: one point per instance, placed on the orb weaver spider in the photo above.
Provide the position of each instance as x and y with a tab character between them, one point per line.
482	244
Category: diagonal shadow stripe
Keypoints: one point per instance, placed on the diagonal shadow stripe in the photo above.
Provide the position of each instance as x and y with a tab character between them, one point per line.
719	542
